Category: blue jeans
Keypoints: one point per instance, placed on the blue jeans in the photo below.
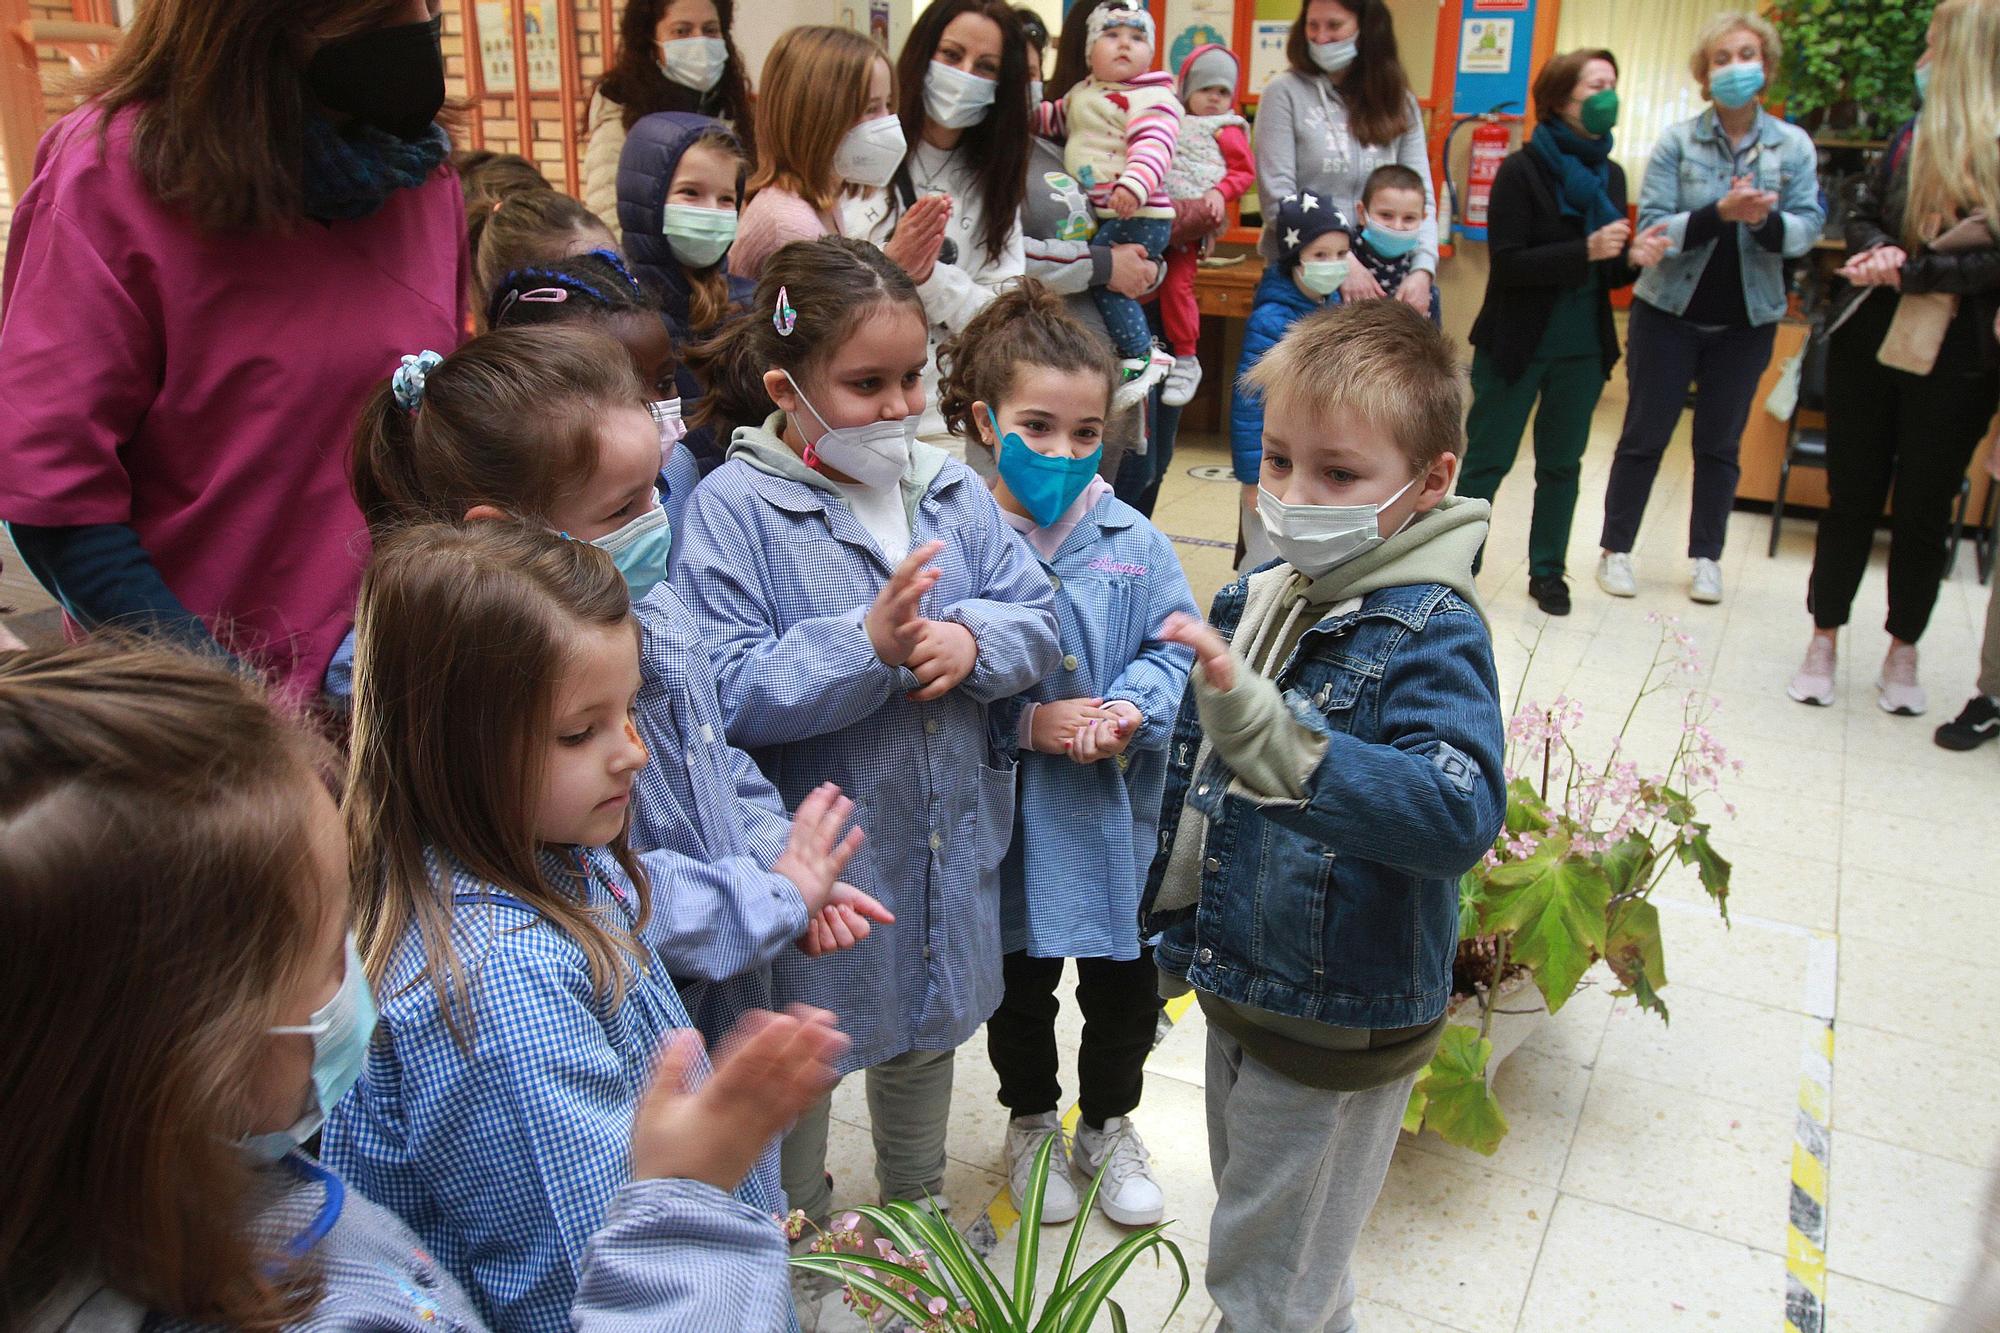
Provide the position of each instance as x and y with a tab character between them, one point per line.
1123	317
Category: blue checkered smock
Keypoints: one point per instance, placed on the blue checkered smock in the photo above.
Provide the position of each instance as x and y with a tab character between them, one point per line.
504	1159
779	575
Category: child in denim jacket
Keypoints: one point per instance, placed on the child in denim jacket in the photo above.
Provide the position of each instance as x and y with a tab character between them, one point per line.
1336	768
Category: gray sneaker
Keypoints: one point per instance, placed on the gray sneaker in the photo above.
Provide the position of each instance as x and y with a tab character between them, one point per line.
1896	689
1706	584
1182	381
1813	683
1614	574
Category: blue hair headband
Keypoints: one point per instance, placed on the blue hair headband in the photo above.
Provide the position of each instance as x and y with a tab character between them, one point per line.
407	384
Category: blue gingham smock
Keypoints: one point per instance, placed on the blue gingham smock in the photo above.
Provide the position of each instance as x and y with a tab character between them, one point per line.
779	575
1084	834
504	1160
708	825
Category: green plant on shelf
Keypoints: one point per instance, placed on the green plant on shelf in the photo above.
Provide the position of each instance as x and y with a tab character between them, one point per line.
1570	879
923	1271
1847	62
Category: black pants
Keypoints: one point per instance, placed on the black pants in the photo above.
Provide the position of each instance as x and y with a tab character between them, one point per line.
1664	354
1888	429
1121	1007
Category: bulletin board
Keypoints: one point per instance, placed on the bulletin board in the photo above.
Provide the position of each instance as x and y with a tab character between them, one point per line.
1496	42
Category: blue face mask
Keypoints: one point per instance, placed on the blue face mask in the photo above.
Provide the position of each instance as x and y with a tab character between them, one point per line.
340	1031
1389	244
640	550
1734	85
1923	77
1045	486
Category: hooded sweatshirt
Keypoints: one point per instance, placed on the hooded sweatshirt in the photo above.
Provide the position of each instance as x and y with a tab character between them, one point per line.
764	448
1273	756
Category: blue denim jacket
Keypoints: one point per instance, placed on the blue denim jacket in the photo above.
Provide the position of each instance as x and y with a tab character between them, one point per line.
1343	908
1691	167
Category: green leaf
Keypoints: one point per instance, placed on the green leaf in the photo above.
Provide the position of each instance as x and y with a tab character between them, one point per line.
1471	895
1462	1109
1526	810
1627	864
1079	1305
847	1267
1028	1237
1708	863
1635	952
1553	904
1413	1114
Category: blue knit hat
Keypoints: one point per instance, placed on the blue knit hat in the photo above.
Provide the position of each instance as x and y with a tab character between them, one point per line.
1303	218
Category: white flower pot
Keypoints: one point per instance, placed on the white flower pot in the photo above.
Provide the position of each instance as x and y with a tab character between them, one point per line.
1519	1010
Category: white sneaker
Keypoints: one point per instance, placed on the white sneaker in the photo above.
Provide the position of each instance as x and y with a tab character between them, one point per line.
1024	1139
1182	382
1813	684
1896	689
1138	375
1129	1195
1706	585
1614	574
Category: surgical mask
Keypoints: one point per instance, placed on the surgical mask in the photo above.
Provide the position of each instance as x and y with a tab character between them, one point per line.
1388	243
871	152
1324	276
1923	77
667	416
1599	112
875	455
340	1030
640	550
391	78
1734	85
1045	485
1316	538
694	62
1333	57
1034	93
698	236
954	99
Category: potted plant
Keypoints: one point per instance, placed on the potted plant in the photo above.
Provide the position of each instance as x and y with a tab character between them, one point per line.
1848	65
1569	881
924	1272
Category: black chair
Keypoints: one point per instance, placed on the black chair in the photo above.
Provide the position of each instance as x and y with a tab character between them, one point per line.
1805	446
1985	537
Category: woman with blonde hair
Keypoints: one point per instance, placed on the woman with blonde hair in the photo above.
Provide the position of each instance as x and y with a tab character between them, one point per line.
1738	190
1911	383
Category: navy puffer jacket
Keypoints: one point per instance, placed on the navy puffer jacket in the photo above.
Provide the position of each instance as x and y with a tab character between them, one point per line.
652	153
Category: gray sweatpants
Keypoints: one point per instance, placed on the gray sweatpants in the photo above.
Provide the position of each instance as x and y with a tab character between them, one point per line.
1989	648
909	1103
1297	1171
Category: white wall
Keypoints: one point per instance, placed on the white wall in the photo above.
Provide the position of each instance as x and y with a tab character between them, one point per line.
759	22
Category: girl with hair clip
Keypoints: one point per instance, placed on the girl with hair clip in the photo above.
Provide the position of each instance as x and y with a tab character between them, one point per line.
550	425
677	57
962	81
680	194
1036	386
866	608
534	227
502	909
151	1174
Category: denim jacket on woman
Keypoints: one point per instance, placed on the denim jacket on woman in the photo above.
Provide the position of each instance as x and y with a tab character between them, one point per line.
1691	167
1343	908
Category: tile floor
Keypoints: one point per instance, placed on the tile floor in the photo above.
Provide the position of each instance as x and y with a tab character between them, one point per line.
1646	1180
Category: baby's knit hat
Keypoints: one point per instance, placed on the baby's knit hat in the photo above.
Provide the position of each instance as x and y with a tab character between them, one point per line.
1119	14
1304	218
1209	66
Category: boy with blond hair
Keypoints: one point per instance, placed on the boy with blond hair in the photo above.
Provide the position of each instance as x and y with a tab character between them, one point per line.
1336	768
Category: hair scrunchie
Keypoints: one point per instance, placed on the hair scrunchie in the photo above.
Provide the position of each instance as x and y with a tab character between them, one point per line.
407	384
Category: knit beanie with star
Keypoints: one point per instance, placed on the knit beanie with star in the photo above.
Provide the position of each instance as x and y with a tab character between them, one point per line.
1302	219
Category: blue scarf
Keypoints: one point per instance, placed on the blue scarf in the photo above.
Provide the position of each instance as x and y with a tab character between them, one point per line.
351	170
1583	169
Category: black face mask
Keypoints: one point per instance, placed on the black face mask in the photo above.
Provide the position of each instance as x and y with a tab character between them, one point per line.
390	78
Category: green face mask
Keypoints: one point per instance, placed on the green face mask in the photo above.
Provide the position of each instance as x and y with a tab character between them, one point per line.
1600	112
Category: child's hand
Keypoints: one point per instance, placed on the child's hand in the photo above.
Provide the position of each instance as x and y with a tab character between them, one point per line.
944	655
1211	654
1125	200
1056	723
1217	206
894	622
843	922
771	1069
1107	737
816	853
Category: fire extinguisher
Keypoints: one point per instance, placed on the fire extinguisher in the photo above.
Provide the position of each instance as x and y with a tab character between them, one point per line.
1490	142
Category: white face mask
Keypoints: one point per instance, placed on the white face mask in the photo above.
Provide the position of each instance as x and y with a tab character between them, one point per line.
698	236
1333	57
954	99
875	455
1324	275
694	62
871	152
1034	94
1316	538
